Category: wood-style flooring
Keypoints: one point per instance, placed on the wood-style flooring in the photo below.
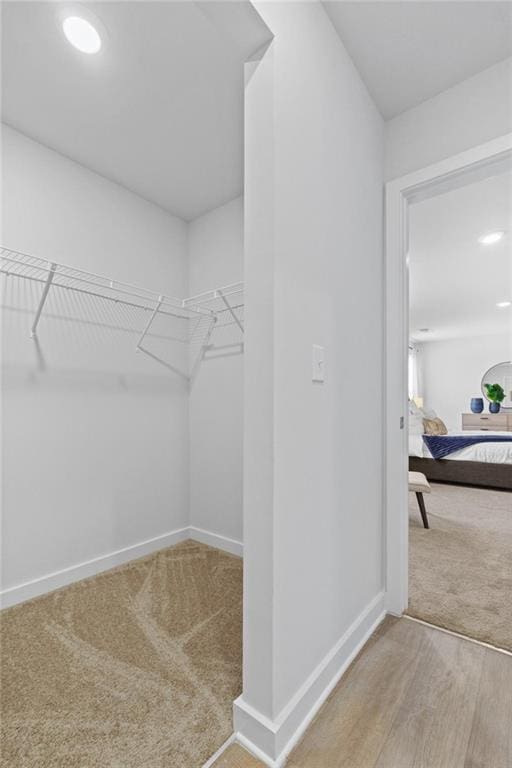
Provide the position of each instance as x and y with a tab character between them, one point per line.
415	697
236	757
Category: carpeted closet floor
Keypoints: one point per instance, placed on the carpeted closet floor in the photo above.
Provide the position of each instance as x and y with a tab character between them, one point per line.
460	571
134	668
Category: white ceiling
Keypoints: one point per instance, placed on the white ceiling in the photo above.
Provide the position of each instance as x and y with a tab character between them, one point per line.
455	282
158	110
407	52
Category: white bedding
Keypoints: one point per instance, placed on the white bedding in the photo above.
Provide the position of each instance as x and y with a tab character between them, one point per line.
495	453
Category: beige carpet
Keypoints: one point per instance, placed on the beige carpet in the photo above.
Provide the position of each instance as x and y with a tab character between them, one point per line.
460	571
135	668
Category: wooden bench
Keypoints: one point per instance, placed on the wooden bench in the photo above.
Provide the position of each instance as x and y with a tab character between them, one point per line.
419	485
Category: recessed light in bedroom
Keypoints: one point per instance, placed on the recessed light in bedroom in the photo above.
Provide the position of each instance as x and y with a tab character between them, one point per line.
490	238
81	34
424	330
502	304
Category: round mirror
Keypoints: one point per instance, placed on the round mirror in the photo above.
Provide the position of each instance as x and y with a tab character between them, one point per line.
499	374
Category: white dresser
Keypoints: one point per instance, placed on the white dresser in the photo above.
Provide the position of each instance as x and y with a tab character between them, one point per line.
492	422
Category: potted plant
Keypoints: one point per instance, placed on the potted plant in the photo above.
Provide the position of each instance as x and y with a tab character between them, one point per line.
496	395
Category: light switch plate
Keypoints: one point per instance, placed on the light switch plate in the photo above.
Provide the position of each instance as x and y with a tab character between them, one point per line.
318	363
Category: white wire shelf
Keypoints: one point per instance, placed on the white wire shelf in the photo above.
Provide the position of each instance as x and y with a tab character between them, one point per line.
75	294
226	304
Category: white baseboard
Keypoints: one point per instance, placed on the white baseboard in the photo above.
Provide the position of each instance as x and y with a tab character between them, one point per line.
272	741
216	540
259	753
57	579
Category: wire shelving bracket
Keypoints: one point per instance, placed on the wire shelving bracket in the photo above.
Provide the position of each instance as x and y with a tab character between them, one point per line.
198	315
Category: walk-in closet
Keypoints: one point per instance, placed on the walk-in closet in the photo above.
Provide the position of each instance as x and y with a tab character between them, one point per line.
122	377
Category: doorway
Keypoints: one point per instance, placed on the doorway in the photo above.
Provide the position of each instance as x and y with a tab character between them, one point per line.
458	171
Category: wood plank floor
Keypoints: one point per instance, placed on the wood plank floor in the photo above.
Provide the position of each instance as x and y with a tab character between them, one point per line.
415	697
236	757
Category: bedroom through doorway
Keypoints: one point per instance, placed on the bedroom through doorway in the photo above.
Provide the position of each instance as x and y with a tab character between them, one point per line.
459	379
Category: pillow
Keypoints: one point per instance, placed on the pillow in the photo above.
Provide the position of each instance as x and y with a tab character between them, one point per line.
416	446
435	427
429	413
416	424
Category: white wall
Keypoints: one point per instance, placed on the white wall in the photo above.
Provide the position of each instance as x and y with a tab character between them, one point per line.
95	449
259	359
215	247
453	370
317	518
475	111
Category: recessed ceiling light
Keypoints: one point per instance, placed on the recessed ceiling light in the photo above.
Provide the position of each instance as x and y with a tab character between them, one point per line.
502	304
81	34
490	238
424	330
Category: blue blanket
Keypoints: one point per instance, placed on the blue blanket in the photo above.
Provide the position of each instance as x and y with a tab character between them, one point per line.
442	445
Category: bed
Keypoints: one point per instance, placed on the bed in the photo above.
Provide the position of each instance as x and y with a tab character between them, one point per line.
487	465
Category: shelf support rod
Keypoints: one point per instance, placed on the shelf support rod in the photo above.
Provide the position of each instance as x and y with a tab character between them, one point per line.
230	310
149	322
202	350
49	280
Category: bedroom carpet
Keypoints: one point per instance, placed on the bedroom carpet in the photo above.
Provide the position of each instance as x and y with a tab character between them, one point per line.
460	571
134	668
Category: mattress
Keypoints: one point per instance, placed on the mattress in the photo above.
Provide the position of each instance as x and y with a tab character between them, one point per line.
494	453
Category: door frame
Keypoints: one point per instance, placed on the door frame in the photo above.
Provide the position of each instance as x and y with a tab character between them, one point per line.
400	193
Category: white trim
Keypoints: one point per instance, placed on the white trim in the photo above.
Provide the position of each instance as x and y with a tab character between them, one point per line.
255	732
258	753
233	546
57	579
272	740
211	760
447	174
51	581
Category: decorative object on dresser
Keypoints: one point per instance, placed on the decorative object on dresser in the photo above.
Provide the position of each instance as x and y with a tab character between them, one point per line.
487	422
477	404
499	375
496	395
